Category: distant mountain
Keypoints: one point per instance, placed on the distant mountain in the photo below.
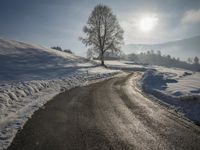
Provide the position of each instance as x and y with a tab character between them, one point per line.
183	49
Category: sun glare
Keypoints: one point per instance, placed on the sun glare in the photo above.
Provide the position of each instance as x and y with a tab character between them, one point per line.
147	24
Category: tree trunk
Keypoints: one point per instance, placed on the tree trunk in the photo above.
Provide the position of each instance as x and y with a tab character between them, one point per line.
102	59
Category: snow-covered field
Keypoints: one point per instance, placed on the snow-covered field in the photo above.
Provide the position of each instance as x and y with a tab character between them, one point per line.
124	65
177	87
30	75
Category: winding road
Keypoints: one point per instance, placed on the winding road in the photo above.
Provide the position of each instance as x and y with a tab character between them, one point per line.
109	115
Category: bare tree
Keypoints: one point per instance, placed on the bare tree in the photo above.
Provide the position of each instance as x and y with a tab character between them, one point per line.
103	32
196	60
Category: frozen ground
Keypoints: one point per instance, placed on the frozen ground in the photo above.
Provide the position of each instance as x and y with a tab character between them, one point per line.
124	65
31	75
177	87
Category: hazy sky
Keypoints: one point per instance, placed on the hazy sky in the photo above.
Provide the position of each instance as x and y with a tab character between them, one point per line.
60	22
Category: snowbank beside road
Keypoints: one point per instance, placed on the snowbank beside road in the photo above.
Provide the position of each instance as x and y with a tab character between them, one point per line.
177	87
18	101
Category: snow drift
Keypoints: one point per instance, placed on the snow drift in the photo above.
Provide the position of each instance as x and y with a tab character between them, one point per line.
179	88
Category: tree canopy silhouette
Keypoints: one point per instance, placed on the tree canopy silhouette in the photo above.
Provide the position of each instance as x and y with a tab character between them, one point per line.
103	32
196	60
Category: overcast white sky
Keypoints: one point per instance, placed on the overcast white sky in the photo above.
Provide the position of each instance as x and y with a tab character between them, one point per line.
60	22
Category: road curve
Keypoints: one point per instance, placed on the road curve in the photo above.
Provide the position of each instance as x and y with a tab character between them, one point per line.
109	115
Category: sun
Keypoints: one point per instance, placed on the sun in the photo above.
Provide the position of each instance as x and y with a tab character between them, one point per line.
147	23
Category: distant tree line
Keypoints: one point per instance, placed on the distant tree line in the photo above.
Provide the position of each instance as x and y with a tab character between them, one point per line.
108	55
156	58
60	49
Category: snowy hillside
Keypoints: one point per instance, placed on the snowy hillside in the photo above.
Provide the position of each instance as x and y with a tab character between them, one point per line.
30	75
21	61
